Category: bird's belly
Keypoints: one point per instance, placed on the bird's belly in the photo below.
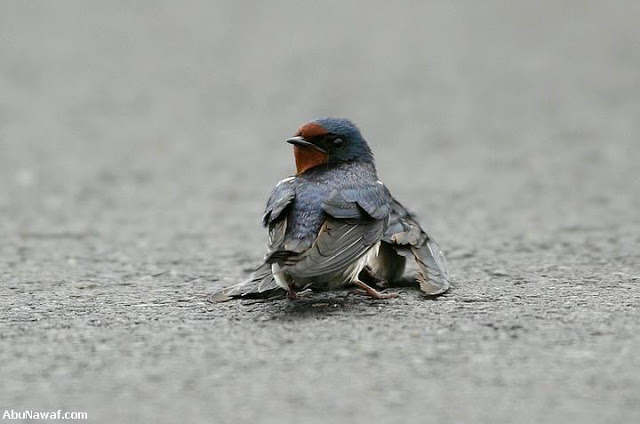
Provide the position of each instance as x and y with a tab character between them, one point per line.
338	278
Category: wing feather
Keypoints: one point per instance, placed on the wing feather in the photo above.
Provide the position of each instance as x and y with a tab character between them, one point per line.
408	238
259	284
280	198
338	244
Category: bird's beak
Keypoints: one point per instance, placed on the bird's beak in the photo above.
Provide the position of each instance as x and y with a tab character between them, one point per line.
299	141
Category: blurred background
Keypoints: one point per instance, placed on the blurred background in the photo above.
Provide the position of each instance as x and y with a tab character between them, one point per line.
140	140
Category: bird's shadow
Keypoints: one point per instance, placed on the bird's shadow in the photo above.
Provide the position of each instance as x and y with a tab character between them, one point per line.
325	303
328	303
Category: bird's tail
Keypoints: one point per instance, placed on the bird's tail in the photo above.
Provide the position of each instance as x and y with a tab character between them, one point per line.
433	273
260	284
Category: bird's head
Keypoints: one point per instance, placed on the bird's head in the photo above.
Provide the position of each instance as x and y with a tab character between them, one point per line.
329	141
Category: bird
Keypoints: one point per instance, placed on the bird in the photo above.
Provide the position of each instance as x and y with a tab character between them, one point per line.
334	224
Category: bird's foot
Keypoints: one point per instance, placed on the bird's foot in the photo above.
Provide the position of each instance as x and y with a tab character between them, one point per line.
292	294
371	292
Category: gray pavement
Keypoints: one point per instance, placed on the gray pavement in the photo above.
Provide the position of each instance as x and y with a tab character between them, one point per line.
138	144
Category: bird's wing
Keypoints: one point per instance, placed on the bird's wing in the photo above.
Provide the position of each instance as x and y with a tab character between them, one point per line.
275	213
358	202
281	196
259	284
406	236
356	218
339	243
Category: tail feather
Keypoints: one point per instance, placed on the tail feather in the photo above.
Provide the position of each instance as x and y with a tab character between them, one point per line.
433	273
260	284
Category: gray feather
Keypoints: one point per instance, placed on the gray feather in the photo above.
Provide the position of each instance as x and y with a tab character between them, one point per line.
339	243
281	196
433	274
259	284
409	239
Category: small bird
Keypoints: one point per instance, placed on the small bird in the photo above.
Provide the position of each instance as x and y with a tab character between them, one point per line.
334	224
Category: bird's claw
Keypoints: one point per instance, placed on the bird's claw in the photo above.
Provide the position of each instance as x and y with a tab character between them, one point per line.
291	294
366	290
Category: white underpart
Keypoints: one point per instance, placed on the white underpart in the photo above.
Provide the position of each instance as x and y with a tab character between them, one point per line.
351	273
278	275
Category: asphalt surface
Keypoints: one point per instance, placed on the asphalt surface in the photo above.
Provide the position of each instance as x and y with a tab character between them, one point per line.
138	145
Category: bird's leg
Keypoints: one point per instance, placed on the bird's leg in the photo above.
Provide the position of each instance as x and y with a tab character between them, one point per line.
283	280
368	277
291	293
370	291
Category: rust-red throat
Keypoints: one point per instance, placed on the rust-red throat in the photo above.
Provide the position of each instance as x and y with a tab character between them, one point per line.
308	157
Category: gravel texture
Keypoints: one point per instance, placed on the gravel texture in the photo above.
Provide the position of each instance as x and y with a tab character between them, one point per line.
139	142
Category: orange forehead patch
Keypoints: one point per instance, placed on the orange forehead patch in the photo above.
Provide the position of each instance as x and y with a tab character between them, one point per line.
310	130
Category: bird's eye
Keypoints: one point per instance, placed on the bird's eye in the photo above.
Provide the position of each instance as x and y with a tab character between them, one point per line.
338	142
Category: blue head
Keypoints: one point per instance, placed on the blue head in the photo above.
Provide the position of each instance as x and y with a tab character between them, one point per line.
329	140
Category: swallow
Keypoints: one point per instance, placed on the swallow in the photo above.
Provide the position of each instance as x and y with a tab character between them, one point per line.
335	224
